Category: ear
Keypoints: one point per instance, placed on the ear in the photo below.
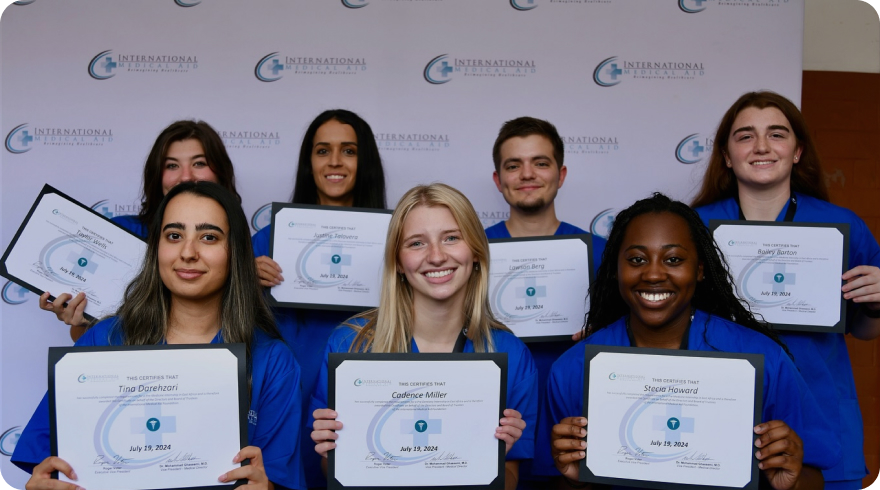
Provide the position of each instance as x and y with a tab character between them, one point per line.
563	171
797	154
497	180
700	272
726	159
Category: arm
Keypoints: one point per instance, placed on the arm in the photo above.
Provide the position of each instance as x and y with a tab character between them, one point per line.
781	456
324	433
863	288
568	446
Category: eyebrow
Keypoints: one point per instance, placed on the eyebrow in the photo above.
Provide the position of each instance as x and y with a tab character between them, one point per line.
752	128
420	235
199	227
343	143
200	155
520	160
664	247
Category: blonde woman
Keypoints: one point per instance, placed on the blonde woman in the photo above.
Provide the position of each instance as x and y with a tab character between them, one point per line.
434	299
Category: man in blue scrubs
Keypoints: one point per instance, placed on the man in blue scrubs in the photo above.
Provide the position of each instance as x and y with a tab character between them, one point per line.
529	172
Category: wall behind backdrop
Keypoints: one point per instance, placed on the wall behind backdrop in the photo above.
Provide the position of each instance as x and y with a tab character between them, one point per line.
635	87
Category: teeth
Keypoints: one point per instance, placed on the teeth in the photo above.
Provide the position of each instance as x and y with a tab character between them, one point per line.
335	177
655	296
439	273
762	163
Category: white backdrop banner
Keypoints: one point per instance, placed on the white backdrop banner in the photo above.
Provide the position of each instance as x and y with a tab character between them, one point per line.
635	87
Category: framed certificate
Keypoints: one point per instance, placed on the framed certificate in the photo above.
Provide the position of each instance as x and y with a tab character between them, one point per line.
148	417
661	418
63	246
417	420
331	257
789	273
539	286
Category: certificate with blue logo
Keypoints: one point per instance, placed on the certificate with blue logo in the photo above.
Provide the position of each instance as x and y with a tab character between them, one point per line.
331	257
539	286
661	418
64	247
789	273
148	417
417	420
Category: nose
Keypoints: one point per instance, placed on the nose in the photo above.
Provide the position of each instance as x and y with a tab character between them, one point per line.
436	254
335	159
189	251
528	171
654	271
761	145
187	174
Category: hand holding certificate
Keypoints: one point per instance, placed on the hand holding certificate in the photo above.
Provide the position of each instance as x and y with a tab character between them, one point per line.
148	417
63	246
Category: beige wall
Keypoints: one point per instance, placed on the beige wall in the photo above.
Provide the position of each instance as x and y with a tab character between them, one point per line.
842	35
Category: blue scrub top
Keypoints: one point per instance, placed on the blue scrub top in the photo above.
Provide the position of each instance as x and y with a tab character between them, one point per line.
273	418
306	332
786	395
820	356
131	223
521	381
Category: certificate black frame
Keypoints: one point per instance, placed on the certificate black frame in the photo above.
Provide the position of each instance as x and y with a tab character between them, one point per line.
238	350
47	189
337	359
584	237
278	206
756	360
843	228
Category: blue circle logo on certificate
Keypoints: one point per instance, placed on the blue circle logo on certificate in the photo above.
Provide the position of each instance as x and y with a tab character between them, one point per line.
153	424
516	298
767	281
323	263
69	261
673	423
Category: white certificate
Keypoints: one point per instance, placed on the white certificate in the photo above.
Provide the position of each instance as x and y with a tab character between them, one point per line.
789	273
538	287
65	247
417	420
331	257
662	418
148	417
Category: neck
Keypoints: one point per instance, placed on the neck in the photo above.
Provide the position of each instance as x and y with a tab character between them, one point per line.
538	223
437	325
668	337
346	201
763	204
193	322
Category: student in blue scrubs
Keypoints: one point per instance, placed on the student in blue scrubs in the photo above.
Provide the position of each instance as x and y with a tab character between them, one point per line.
764	167
339	165
662	284
198	242
529	172
185	151
435	284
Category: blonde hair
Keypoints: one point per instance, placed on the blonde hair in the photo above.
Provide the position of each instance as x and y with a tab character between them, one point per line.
389	327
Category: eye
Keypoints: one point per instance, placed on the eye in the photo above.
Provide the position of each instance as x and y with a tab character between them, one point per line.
171	165
511	167
542	164
414	244
210	237
636	260
453	238
173	236
200	164
350	152
321	151
674	260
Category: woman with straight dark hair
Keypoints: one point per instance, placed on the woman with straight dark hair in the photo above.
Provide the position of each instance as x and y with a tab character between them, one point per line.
664	284
185	151
339	165
764	166
198	285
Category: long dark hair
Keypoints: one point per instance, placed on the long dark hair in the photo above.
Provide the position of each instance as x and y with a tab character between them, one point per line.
719	182
215	154
714	294
369	185
146	306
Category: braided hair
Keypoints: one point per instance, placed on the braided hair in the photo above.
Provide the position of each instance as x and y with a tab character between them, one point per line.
714	294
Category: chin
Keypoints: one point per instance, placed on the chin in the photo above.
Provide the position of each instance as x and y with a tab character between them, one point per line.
531	207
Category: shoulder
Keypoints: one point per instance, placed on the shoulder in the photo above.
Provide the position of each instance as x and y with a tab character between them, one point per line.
569	229
131	223
728	336
723	209
819	210
343	336
105	332
498	230
270	350
260	241
508	342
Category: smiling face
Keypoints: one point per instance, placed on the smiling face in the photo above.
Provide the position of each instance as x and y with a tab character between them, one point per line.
658	270
762	148
193	249
433	255
528	175
334	163
185	162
